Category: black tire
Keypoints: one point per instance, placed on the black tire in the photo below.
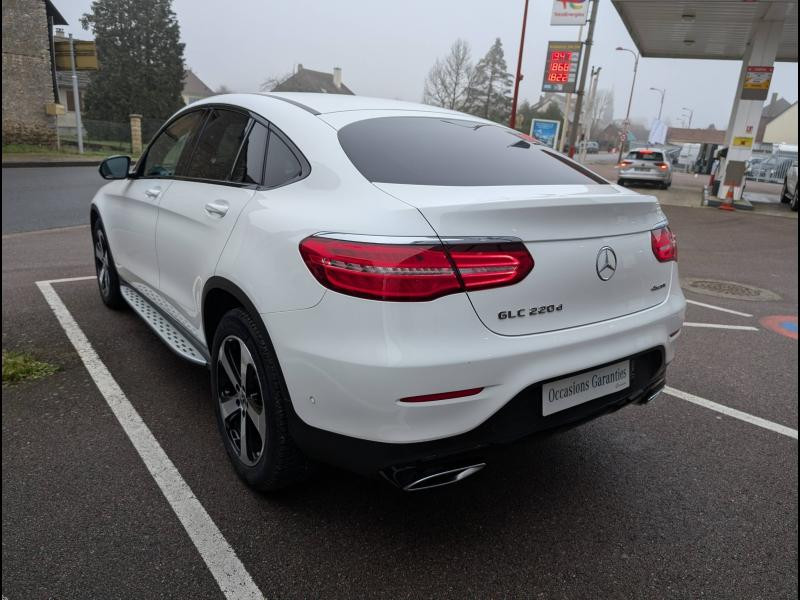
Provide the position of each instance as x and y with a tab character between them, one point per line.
784	193
107	278
270	459
622	182
794	204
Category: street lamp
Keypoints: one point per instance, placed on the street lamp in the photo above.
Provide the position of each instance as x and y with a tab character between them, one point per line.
660	106
691	112
630	100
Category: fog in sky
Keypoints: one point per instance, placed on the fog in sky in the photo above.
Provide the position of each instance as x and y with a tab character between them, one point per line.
385	48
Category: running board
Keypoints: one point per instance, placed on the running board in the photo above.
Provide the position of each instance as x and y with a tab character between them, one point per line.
163	327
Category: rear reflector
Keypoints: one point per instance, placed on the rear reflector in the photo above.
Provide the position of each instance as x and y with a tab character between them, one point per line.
443	395
664	244
413	272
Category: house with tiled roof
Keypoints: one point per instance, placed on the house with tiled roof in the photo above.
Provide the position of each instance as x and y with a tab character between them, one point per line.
308	80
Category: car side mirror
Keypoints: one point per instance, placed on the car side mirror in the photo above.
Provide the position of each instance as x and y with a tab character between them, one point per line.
115	167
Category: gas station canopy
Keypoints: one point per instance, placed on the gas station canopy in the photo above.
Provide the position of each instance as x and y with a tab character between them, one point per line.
710	29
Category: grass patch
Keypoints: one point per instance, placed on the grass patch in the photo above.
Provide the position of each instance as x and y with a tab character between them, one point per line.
65	152
21	366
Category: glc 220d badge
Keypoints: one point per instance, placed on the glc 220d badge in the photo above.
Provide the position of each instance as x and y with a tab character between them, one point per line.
529	312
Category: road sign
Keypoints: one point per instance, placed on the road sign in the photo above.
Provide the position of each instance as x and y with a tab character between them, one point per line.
545	131
561	66
569	12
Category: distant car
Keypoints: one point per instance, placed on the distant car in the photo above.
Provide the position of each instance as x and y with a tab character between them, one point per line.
591	147
770	170
645	165
789	191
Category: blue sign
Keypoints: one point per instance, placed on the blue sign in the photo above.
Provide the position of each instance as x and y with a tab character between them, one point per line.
545	131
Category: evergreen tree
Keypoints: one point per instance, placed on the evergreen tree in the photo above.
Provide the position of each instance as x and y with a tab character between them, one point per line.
490	94
140	57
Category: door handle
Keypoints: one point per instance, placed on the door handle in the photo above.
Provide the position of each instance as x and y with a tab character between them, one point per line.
152	192
218	208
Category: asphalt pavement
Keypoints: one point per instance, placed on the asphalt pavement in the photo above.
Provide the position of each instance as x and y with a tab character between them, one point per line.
46	197
668	500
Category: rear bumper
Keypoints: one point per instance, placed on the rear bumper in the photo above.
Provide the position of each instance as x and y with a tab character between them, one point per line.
520	418
348	361
645	175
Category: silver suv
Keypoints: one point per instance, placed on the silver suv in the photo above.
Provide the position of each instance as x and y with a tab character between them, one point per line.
646	165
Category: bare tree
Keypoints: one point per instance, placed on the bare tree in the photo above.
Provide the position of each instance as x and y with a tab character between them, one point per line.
274	80
450	79
599	111
223	89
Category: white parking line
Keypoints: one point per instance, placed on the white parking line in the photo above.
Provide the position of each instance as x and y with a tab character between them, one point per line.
67	279
711	306
233	579
732	412
720	326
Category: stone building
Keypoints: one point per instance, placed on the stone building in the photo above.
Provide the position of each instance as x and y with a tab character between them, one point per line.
29	83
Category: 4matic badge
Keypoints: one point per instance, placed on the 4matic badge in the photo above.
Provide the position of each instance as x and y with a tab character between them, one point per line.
529	312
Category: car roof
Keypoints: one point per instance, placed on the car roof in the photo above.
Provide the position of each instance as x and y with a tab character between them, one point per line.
329	103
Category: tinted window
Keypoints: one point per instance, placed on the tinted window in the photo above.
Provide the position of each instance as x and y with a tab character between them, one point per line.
438	151
250	164
171	146
215	151
282	164
646	155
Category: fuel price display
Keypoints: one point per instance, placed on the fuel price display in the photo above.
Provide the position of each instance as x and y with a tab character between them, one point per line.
561	67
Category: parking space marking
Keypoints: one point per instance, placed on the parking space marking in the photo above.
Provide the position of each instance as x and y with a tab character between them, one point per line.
68	279
720	326
732	412
233	579
712	307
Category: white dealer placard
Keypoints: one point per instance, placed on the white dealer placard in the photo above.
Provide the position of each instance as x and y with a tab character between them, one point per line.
569	12
571	391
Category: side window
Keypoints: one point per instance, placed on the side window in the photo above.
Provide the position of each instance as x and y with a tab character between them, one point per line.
168	148
250	165
282	164
218	145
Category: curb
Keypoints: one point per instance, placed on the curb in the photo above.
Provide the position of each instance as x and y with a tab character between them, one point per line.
51	163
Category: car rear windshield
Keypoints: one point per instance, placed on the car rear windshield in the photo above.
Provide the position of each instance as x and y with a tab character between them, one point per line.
454	152
646	155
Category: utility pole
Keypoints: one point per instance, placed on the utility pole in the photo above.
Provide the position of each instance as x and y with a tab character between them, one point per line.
626	124
76	97
513	120
573	132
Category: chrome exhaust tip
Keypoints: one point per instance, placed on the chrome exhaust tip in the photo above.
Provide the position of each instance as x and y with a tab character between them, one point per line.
652	396
441	478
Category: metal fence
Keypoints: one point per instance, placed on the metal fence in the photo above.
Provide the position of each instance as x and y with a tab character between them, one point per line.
770	168
98	136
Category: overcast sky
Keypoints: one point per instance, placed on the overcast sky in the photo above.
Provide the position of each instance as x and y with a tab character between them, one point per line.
385	48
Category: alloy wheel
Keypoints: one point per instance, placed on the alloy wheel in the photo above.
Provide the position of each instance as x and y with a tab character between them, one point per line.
101	262
240	400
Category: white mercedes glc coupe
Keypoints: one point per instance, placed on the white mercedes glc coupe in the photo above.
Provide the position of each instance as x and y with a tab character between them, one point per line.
388	287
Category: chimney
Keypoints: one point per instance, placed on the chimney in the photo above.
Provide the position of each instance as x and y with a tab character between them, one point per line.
60	32
337	77
299	67
774	98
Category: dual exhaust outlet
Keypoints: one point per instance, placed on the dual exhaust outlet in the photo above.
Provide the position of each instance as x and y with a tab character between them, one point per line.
414	480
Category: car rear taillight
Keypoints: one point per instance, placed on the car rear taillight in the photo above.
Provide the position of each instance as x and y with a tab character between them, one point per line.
661	165
413	272
665	246
626	163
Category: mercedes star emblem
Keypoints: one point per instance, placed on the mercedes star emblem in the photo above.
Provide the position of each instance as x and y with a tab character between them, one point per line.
606	263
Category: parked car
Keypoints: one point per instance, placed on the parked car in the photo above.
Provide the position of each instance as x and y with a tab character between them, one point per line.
388	287
591	147
648	165
771	170
789	190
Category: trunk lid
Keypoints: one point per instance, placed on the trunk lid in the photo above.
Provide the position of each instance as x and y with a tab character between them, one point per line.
567	230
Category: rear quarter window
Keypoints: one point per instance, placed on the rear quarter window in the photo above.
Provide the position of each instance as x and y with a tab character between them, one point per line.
454	152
